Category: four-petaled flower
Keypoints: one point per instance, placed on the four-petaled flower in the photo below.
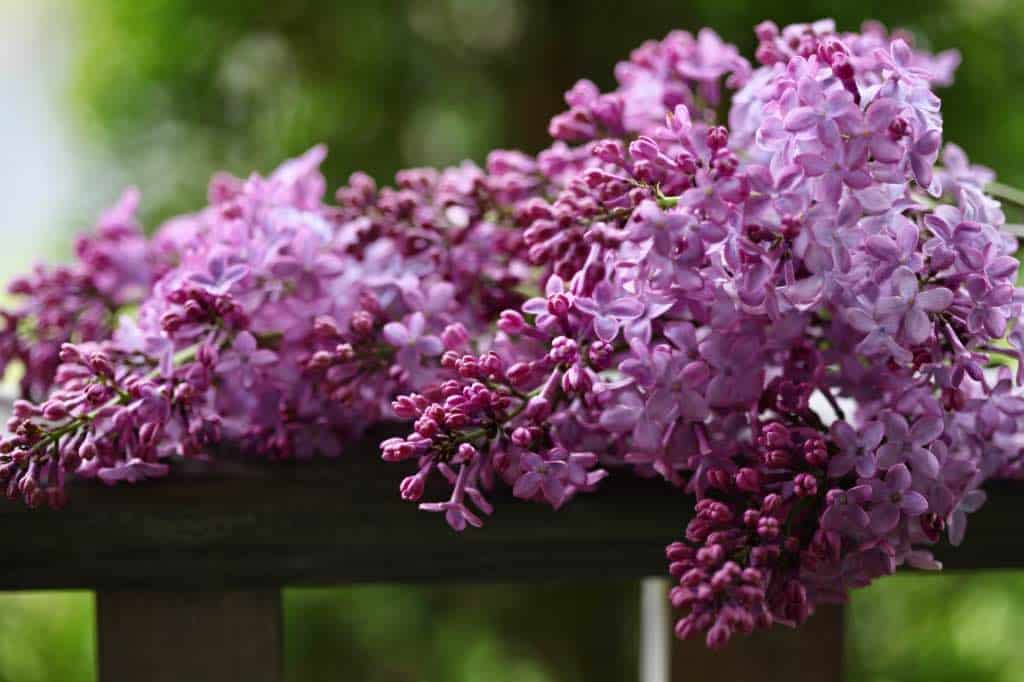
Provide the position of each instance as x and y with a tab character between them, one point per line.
244	359
546	476
905	443
609	311
220	276
412	344
893	498
910	307
856	450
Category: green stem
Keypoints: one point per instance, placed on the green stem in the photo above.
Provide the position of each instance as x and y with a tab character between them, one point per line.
121	398
1006	193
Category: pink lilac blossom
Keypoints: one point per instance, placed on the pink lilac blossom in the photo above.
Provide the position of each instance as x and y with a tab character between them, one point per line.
286	325
113	271
704	284
706	290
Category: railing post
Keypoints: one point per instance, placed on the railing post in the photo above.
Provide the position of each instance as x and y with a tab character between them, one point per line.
655	630
190	636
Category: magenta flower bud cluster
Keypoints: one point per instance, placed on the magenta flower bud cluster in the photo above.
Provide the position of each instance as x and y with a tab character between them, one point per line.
803	314
791	317
284	325
113	271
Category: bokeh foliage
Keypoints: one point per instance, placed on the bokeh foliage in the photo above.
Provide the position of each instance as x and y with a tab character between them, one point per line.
170	90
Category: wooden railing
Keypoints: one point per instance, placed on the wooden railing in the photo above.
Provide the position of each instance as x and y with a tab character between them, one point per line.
188	570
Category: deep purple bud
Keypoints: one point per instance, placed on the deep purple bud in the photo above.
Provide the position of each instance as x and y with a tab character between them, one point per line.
558	305
609	151
100	364
776	435
519	373
362	322
454	336
718	138
23	409
768	528
511	322
465	454
644	148
748	480
411	488
70	354
54	410
805	485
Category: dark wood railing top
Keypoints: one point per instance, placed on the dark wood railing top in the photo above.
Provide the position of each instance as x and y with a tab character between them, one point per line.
246	524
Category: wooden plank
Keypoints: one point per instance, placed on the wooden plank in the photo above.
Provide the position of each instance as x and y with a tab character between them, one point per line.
242	524
194	636
810	653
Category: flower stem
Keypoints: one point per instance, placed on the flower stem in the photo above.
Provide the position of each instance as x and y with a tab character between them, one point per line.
181	357
1006	193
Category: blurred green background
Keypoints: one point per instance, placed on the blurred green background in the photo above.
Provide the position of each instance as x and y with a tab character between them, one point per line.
160	93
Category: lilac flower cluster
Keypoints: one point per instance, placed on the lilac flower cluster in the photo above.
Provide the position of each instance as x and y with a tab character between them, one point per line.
286	325
113	271
718	299
806	319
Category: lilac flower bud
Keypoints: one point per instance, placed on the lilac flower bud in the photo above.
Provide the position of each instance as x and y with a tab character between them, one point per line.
23	409
207	355
404	407
685	628
558	305
576	380
456	419
362	322
454	336
563	349
718	138
609	151
492	364
776	458
396	450
320	360
97	394
519	373
435	412
54	410
171	322
720	479
511	322
411	488
538	408
326	327
100	364
771	503
805	485
776	436
768	528
748	480
766	30
644	148
468	367
70	354
465	454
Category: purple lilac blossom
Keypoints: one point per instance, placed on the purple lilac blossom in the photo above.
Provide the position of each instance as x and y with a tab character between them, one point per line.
814	249
697	289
